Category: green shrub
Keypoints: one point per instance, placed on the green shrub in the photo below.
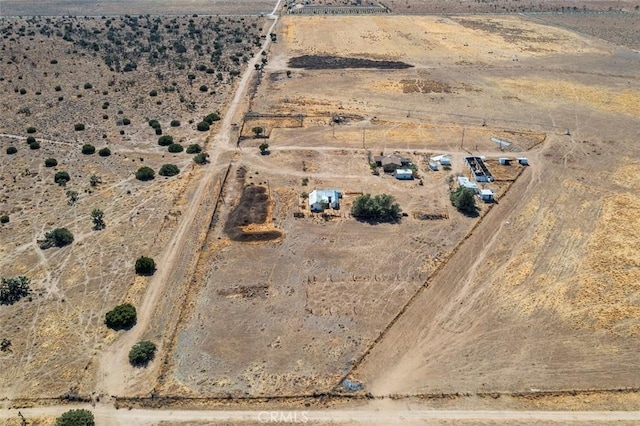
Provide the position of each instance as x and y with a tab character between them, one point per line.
158	131
175	123
61	178
154	124
121	317
30	139
13	289
126	121
88	149
104	152
12	150
464	200
379	208
78	127
34	145
153	93
145	173
4	218
165	140
145	266
50	162
175	147
57	88
59	237
141	353
31	129
169	170
88	85
214	116
194	148
23	91
203	88
202	158
203	126
80	417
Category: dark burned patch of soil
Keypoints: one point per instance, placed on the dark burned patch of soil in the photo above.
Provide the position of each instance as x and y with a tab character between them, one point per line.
252	209
320	62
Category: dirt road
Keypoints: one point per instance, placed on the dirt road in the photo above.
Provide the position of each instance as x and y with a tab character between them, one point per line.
376	413
115	375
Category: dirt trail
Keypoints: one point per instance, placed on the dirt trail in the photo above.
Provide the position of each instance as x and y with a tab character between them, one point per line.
114	375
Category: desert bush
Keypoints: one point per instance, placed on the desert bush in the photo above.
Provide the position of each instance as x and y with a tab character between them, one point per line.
23	91
57	88
203	126
201	158
104	152
80	417
154	124
50	162
214	116
203	88
264	148
30	139
175	147
78	127
13	289
464	200
88	149
31	129
53	61
153	93
126	121
4	218
34	145
121	317
97	217
175	123
141	353
165	140
194	148
59	237
169	170
145	266
88	86
61	178
379	208
145	173
158	131
12	150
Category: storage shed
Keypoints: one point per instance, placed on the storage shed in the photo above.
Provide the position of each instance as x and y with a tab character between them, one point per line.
322	199
466	183
404	174
486	195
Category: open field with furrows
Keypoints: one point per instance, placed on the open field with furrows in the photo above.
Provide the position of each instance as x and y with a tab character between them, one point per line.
527	302
124	7
56	74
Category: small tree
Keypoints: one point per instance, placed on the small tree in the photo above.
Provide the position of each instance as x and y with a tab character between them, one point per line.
72	197
30	140
97	217
154	124
141	353
31	129
50	162
79	417
12	150
257	131
264	148
78	127
194	149
169	170
145	266
165	140
61	178
121	317
214	116
175	123
34	145
145	173
5	345
203	126
94	180
104	152
4	218
88	149
201	158
14	289
175	148
126	121
464	200
379	208
59	237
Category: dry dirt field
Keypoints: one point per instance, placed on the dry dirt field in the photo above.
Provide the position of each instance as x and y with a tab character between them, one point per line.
528	302
538	293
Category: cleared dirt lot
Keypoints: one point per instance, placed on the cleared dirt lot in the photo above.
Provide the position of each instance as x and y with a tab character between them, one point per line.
510	313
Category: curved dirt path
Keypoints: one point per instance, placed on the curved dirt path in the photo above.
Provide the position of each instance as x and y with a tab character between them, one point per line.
115	376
